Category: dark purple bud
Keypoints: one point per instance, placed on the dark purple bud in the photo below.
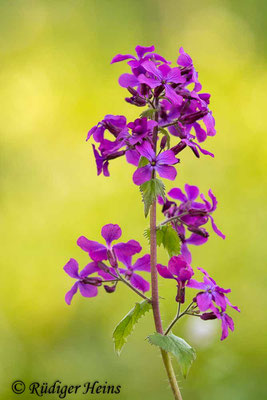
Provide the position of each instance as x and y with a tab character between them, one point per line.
144	89
136	101
158	90
110	289
132	91
197	213
95	281
199	231
195	151
112	128
180	297
103	266
163	142
179	147
115	155
191	118
207	316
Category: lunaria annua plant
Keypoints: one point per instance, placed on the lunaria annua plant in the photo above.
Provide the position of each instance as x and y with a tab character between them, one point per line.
176	111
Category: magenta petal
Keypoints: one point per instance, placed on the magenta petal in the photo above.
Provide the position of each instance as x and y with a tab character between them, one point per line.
69	295
126	80
142	175
123	250
175	264
210	124
231	305
111	232
145	149
186	253
196	240
230	322
151	67
167	172
177	194
164	272
152	83
139	283
219	299
196	285
204	301
214	227
89	269
132	157
167	157
172	95
184	59
174	76
191	191
142	264
97	251
71	268
87	290
141	50
121	57
200	133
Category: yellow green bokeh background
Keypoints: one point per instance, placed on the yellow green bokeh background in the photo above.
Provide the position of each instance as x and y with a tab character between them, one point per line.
55	83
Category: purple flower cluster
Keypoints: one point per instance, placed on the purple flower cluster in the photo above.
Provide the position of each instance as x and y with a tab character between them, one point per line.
170	93
113	253
190	215
177	116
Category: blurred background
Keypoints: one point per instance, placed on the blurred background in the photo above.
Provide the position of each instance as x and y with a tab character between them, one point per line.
56	83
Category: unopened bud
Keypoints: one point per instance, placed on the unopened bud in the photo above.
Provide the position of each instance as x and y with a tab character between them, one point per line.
163	142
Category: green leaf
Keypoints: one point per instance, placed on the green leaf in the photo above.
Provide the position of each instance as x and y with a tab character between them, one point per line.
167	236
127	324
184	353
142	162
149	113
171	241
150	190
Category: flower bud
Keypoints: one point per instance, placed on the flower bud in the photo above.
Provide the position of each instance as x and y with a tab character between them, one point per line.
163	142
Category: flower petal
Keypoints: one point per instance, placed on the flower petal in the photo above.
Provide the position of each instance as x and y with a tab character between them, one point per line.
89	269
142	264
192	192
123	250
121	57
97	251
151	67
214	227
219	299
177	194
174	76
111	232
126	80
172	95
152	83
196	285
166	171
175	264
196	240
167	157
139	283
141	50
145	149
204	301
164	272
142	175
71	268
132	157
87	290
69	295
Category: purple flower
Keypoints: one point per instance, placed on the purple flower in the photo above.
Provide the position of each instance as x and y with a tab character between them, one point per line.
87	285
161	163
115	124
163	76
188	69
100	252
141	129
142	56
179	270
210	293
141	264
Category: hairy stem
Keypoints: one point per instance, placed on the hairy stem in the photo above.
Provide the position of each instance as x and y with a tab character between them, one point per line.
178	316
154	286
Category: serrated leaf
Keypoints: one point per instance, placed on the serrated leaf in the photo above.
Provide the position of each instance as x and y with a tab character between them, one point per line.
167	236
184	353
149	113
171	241
127	324
150	191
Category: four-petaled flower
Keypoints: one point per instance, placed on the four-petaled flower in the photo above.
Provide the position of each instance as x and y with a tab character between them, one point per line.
141	264
100	252
87	285
210	293
161	163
